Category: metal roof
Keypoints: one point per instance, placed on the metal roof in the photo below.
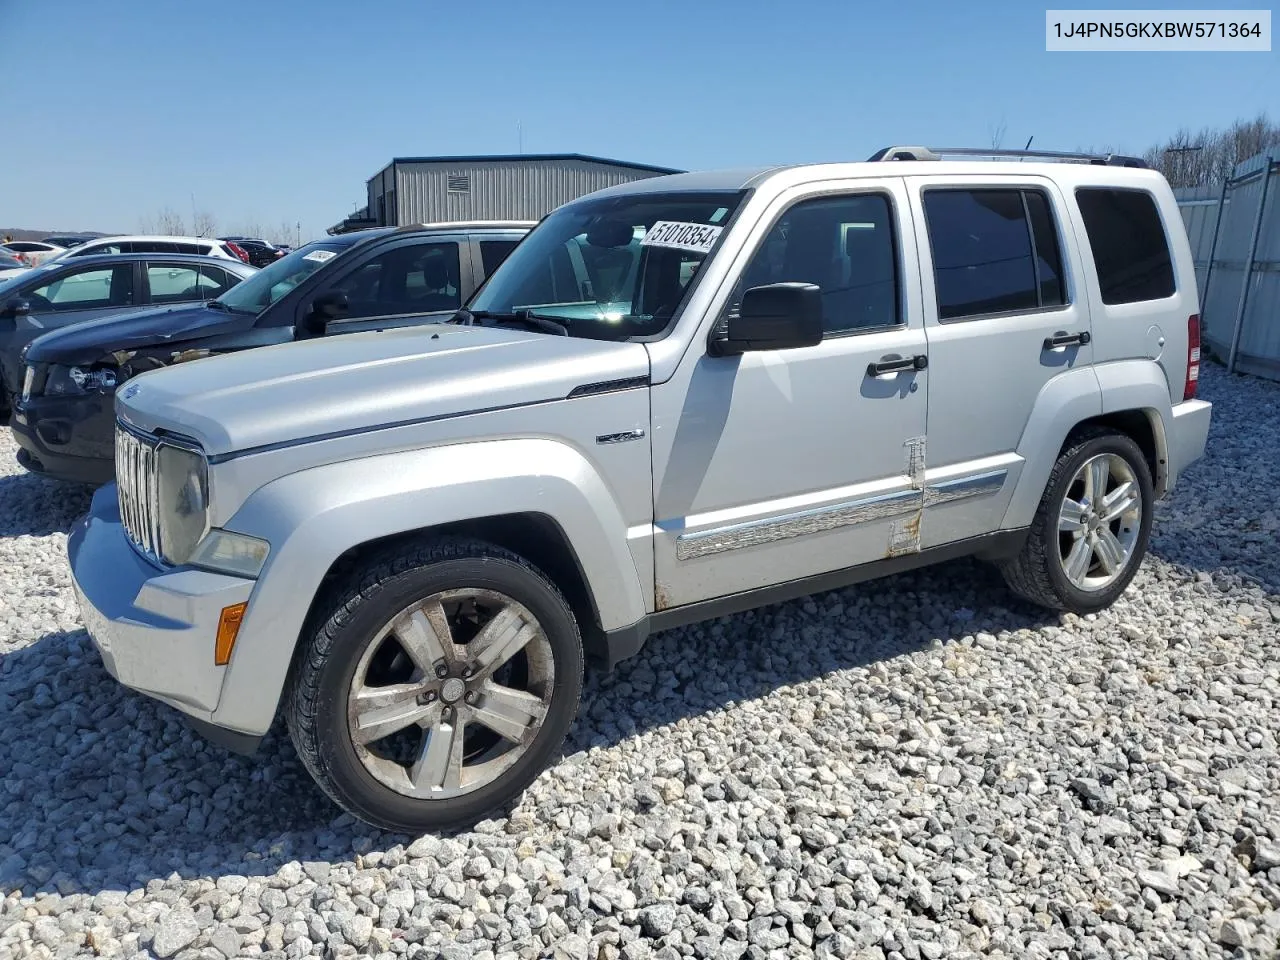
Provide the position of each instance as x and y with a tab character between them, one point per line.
506	157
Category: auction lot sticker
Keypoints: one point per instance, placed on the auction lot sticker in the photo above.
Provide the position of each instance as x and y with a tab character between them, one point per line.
697	237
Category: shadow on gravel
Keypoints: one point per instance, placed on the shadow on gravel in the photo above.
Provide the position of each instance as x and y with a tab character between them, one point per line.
107	789
36	506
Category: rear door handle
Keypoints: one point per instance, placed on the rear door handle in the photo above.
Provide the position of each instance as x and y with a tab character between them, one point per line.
897	365
1064	339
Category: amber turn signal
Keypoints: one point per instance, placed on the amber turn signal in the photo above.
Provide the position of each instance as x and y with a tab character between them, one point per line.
228	627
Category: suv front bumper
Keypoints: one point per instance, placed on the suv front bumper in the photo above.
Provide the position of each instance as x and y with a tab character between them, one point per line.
155	628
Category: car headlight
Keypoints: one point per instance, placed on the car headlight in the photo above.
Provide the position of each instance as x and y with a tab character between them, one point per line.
182	487
75	381
227	552
28	381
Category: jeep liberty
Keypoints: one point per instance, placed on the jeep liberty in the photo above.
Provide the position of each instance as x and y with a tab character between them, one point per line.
677	398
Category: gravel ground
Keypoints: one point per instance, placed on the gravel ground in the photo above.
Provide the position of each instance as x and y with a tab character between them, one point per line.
918	767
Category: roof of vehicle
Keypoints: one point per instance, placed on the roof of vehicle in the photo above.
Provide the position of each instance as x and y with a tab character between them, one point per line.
192	258
154	237
450	226
751	177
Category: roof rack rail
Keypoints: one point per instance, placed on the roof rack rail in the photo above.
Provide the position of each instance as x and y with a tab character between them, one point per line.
937	153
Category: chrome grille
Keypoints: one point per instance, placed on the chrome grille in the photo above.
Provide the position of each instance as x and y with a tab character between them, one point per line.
137	490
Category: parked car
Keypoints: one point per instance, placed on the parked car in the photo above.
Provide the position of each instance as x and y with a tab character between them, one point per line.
261	253
68	241
797	378
65	292
368	281
195	246
11	266
32	252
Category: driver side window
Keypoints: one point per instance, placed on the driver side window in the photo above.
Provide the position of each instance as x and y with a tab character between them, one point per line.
415	278
847	245
88	289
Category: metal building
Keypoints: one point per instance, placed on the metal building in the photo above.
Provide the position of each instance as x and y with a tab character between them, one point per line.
515	187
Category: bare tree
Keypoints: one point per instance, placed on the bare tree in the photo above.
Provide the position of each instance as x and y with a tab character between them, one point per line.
1208	157
203	224
996	132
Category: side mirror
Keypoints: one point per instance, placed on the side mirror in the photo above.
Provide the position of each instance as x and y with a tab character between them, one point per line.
17	307
777	316
325	308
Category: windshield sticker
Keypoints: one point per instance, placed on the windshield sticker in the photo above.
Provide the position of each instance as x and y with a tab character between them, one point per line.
698	237
319	256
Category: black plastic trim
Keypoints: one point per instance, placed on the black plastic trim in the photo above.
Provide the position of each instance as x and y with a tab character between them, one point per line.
245	744
617	645
608	386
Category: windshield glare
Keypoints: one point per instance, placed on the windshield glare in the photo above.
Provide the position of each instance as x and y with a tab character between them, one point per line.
275	280
612	268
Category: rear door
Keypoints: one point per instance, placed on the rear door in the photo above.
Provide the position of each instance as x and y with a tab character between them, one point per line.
1006	313
408	282
170	281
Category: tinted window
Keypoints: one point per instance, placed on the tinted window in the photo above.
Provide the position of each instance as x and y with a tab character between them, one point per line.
493	252
86	289
172	282
1128	243
846	246
994	251
214	281
419	278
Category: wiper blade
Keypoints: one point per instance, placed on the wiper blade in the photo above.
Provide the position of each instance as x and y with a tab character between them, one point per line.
528	317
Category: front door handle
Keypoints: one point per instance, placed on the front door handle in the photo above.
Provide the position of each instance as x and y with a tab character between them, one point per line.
1064	339
897	365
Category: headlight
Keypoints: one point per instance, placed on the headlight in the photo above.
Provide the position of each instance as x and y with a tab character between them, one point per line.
228	552
182	484
75	381
28	380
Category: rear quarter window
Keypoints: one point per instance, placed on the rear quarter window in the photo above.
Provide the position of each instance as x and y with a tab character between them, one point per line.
1130	250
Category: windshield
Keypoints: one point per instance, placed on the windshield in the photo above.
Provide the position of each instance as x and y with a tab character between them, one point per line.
612	268
272	282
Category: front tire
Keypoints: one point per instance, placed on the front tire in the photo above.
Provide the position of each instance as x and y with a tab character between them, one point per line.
1091	529
440	683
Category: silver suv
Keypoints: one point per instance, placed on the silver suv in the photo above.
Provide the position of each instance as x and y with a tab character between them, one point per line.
676	399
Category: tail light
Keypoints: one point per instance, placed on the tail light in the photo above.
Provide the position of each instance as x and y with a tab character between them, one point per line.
1193	357
239	251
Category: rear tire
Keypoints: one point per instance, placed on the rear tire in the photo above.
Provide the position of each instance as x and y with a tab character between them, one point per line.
1091	529
439	684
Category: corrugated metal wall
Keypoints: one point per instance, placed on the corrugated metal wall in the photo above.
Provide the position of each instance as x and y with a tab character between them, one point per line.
502	189
1239	274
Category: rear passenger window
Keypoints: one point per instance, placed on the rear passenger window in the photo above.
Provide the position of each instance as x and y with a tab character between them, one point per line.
994	251
1128	243
845	245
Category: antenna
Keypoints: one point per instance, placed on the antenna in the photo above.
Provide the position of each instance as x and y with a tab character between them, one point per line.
519	137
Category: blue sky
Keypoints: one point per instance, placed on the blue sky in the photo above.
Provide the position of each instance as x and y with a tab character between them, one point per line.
271	111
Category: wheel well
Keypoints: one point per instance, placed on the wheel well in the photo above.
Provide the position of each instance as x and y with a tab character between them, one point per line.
1139	427
535	536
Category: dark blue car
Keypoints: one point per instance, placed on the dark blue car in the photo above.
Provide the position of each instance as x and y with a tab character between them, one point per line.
62	292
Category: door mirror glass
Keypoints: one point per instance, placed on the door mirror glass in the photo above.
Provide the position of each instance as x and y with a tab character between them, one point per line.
777	316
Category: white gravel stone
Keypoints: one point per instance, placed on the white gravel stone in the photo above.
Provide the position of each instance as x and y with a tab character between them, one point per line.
919	767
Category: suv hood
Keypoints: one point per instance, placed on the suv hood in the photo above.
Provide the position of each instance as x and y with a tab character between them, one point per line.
92	340
351	383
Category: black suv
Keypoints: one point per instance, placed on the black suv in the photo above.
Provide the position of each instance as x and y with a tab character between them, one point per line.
64	419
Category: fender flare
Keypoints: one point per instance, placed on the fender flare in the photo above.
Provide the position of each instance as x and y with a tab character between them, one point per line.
312	517
1063	402
1072	398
